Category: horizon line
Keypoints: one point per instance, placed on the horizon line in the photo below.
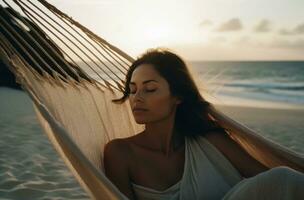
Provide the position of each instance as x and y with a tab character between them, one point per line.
189	60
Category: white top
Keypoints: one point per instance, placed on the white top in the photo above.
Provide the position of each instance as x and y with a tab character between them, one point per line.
207	175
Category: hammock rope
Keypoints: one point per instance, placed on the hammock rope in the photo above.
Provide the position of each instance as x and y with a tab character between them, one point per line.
73	101
87	56
61	40
14	34
104	51
107	47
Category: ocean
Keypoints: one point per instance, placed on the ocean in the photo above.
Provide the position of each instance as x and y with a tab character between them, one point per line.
31	169
250	83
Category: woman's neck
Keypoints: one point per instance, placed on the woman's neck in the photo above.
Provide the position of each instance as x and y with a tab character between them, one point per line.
162	136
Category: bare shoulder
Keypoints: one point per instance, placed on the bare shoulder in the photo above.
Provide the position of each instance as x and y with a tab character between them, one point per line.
116	151
221	140
121	147
225	144
242	161
116	147
116	157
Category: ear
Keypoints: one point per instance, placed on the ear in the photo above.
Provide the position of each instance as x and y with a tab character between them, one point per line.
178	100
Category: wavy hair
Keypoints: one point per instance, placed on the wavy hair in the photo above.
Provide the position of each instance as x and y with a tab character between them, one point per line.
192	113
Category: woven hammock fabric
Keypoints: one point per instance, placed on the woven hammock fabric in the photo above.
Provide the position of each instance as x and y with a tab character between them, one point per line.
73	102
78	109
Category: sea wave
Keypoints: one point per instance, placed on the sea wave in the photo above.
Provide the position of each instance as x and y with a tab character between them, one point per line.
297	86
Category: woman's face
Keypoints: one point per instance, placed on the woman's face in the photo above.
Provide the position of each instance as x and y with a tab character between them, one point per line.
150	98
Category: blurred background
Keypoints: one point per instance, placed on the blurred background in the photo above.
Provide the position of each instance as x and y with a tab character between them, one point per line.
247	57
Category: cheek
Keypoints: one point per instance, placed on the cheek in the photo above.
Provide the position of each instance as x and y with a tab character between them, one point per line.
161	105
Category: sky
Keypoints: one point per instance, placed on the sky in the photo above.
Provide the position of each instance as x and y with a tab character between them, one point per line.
197	29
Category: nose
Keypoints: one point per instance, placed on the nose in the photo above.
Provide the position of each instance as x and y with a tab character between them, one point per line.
138	96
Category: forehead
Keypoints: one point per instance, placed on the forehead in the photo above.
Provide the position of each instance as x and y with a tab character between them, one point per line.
145	72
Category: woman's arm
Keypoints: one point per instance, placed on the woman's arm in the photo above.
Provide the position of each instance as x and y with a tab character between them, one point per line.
116	166
240	159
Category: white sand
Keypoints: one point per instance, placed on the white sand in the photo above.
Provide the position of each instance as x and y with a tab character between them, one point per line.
285	126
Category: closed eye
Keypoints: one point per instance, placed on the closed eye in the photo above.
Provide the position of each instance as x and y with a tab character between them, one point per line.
151	90
133	92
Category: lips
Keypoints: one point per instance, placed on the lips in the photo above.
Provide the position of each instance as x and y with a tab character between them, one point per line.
139	110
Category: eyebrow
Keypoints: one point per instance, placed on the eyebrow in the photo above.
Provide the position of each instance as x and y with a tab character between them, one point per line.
144	82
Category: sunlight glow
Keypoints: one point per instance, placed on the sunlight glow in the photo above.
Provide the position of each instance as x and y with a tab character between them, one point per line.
198	29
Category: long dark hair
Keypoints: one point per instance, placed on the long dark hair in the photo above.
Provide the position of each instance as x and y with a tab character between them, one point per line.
192	113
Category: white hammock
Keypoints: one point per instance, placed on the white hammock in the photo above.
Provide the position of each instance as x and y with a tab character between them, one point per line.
73	103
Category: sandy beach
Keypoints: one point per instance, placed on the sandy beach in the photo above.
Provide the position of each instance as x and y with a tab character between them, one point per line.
251	63
30	166
284	126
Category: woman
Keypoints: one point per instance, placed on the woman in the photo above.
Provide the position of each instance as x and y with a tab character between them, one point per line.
182	153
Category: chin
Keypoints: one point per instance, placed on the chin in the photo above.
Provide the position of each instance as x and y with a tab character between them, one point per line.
140	121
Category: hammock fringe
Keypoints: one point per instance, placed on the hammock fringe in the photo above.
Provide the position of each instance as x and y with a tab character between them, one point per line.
72	100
